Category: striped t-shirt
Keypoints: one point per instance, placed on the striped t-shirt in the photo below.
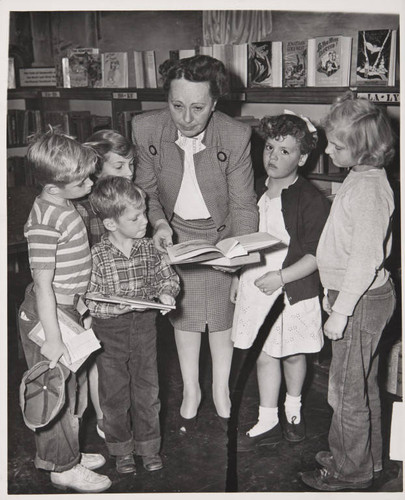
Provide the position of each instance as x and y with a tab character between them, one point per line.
57	239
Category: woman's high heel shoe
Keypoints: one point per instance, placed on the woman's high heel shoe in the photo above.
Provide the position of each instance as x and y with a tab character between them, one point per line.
187	425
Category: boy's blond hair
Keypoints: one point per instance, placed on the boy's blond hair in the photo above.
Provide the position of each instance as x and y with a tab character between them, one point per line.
56	158
112	195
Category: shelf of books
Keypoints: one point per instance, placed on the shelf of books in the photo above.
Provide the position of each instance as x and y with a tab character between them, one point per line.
296	95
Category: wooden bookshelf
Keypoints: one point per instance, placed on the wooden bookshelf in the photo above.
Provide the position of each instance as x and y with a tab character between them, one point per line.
304	95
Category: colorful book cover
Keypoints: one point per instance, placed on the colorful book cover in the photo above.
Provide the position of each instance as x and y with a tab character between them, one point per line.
77	69
115	69
295	63
376	57
265	64
329	59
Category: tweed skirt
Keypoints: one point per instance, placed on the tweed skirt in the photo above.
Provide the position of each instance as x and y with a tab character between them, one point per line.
203	301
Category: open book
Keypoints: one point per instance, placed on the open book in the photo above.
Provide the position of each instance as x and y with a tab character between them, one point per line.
229	248
134	303
79	342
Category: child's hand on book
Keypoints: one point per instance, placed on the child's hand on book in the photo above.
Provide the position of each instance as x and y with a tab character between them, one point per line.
166	299
120	309
54	350
230	269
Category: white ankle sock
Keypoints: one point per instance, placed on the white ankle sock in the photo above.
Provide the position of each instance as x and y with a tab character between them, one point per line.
268	418
292	407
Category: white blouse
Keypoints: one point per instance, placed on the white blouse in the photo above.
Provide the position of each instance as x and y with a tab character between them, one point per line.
190	203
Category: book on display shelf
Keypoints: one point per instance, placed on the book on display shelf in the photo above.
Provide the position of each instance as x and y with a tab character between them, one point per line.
205	50
295	55
145	69
82	68
376	57
115	69
199	250
133	302
265	64
329	60
183	53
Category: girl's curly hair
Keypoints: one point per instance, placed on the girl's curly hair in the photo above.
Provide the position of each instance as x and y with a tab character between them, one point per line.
275	127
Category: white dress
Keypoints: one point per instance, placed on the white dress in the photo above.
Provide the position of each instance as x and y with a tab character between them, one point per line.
298	329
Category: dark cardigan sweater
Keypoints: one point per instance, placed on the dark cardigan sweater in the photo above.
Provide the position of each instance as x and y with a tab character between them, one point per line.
305	210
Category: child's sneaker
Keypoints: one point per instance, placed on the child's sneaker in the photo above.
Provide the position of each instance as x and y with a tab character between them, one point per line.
92	461
80	479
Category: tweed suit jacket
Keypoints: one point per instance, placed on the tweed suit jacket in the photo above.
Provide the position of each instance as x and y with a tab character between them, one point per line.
224	170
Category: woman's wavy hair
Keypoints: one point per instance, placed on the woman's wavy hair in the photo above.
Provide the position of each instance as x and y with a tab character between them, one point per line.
199	68
364	128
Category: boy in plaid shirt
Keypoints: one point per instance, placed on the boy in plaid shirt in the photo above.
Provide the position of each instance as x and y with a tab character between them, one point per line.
125	263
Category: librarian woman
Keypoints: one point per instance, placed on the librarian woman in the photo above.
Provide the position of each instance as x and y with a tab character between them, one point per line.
195	166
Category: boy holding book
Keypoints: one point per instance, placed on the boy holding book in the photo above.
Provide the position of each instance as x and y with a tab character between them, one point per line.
127	264
60	263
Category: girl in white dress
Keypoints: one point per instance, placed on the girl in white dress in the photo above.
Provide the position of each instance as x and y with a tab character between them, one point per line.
293	210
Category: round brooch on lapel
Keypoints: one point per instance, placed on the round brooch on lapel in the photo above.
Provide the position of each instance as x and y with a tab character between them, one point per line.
221	156
152	150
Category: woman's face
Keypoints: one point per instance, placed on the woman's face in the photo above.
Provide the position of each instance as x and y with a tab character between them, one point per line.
190	105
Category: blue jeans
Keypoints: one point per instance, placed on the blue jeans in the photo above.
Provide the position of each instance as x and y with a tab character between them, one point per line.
57	443
355	433
128	382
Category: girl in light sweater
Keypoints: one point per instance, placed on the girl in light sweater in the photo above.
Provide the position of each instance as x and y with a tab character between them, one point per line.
359	294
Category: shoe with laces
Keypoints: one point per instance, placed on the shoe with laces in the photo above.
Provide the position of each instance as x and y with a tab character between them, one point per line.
323	480
92	461
292	432
152	462
80	479
125	464
325	459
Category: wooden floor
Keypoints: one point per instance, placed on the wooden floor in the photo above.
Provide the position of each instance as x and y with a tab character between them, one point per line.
206	461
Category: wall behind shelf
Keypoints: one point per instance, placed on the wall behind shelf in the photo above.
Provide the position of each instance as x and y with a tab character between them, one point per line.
178	29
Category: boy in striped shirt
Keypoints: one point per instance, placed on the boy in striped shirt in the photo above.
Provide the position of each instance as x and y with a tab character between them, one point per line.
60	263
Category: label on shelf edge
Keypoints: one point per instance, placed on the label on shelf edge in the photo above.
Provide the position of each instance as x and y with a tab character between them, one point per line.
51	93
379	96
125	95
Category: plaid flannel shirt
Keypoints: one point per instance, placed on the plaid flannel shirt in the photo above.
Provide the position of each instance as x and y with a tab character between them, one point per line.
94	225
145	274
